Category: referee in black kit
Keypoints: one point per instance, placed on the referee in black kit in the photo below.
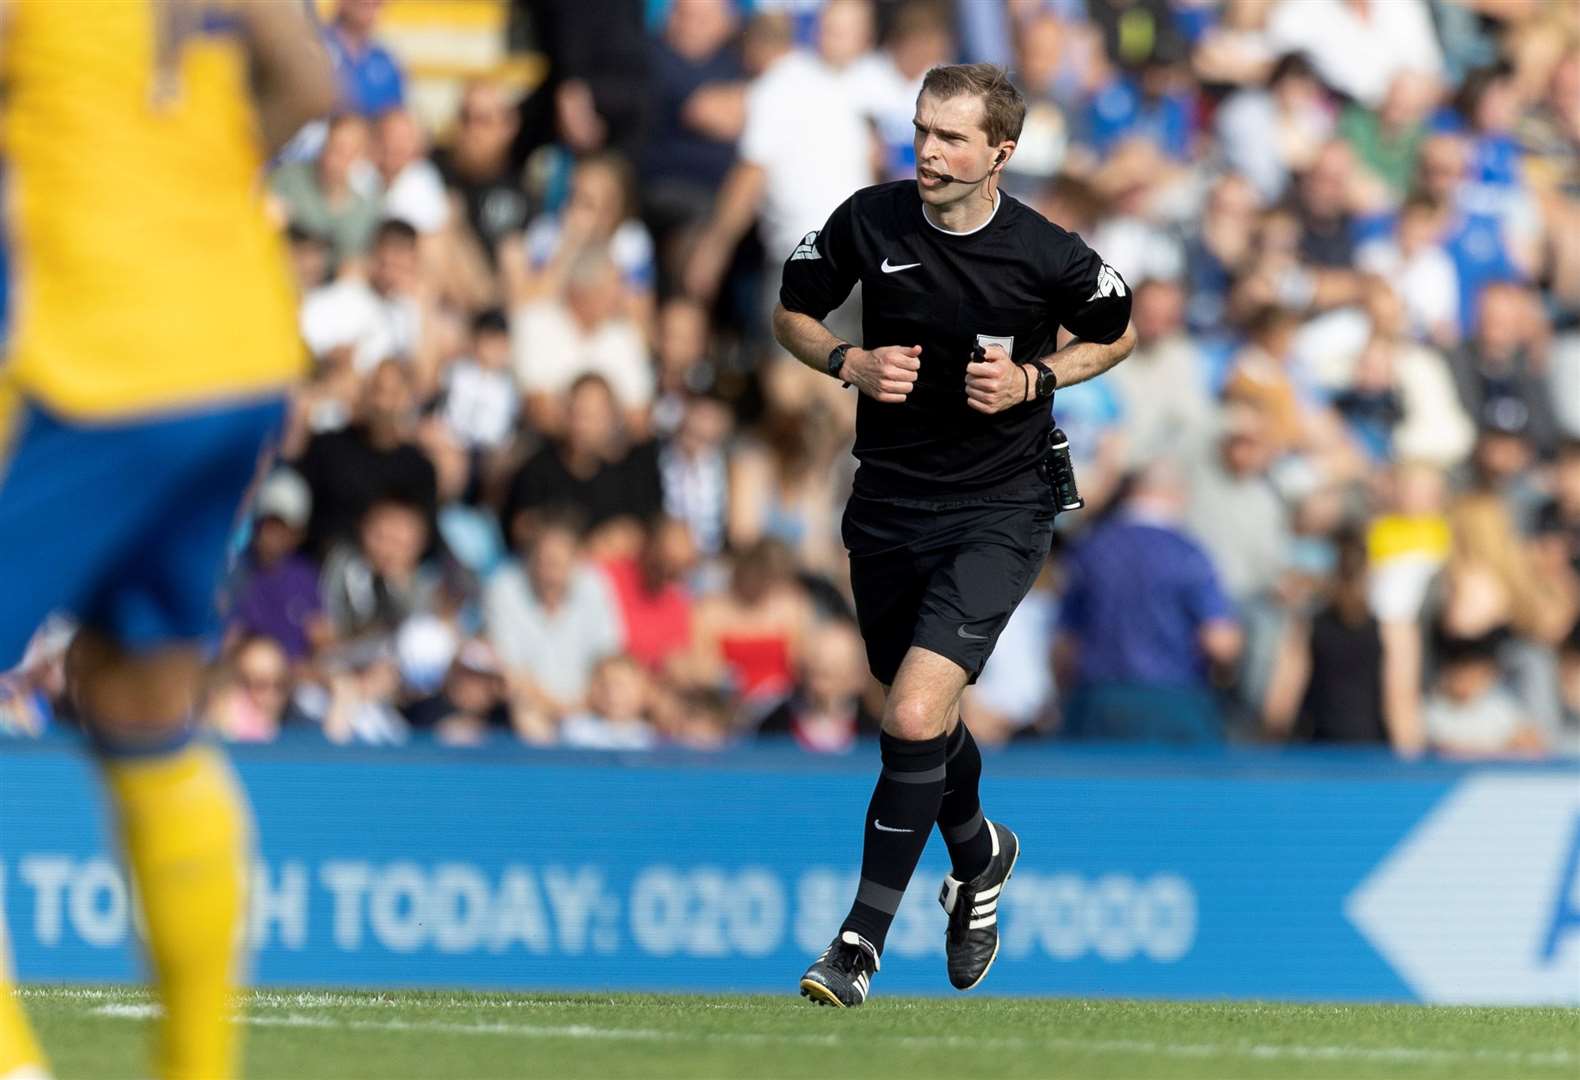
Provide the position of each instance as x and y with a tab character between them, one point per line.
951	516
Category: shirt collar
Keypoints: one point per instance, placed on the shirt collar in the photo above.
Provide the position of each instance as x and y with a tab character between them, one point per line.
998	199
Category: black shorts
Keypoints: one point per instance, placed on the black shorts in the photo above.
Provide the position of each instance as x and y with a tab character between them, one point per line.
945	575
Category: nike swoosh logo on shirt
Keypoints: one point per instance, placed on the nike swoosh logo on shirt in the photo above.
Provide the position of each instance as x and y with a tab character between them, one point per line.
881	827
887	269
961	631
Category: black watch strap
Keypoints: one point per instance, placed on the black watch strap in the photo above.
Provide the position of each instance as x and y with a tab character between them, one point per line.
836	359
1047	381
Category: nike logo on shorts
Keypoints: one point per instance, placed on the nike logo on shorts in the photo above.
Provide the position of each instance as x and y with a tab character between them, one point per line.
961	631
881	827
887	269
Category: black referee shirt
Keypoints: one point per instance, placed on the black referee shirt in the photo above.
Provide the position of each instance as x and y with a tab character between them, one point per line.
1014	281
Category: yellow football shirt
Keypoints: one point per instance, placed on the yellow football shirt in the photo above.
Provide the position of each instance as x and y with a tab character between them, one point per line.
145	277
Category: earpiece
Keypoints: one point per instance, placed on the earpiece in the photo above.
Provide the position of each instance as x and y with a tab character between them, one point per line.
993	168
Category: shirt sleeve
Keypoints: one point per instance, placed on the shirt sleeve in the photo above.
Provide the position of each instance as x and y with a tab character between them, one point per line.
759	134
1204	596
822	270
1088	297
606	624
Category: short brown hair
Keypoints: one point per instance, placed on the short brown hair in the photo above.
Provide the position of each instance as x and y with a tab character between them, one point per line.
1003	109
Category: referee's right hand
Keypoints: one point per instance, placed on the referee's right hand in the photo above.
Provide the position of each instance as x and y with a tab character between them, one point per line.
886	373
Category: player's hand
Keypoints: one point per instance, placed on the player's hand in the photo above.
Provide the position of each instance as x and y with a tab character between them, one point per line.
995	382
887	373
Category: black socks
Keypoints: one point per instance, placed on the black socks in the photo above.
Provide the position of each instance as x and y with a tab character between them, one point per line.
960	814
905	805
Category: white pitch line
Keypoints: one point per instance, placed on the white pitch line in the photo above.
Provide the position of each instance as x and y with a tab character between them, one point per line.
319	999
127	1011
328	999
76	993
1257	1051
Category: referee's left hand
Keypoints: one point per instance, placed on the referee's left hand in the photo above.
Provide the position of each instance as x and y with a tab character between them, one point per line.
994	383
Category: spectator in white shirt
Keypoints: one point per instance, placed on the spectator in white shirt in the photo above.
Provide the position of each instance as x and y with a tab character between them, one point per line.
479	389
1359	45
616	715
1433	426
601	213
558	341
413	189
1420	271
882	86
1163	386
551	618
376	319
1470	710
846	36
695	472
804	150
1565	379
1270	134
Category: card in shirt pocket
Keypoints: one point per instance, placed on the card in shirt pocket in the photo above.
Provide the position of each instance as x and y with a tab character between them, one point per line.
1006	343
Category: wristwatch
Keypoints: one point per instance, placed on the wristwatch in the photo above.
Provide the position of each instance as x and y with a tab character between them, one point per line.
836	359
1047	381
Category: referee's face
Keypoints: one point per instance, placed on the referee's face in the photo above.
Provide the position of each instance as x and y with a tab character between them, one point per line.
953	157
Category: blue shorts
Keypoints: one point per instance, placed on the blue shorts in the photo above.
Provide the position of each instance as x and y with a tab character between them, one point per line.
124	524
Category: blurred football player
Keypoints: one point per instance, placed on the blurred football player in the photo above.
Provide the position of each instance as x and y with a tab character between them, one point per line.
153	338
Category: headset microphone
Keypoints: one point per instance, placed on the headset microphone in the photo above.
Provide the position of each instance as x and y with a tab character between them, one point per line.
946	178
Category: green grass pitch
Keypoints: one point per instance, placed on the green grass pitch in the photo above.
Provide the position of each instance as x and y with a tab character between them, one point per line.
103	1032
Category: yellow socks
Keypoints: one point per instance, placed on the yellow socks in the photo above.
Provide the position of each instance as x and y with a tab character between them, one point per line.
184	827
19	1053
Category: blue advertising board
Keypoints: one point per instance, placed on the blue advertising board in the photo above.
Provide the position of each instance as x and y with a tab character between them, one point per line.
1146	873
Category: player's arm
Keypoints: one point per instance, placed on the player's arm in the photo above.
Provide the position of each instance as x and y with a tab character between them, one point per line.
733	214
292	78
884	374
1092	301
1081	360
818	276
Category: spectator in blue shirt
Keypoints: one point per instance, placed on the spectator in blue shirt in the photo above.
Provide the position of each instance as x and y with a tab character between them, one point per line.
369	77
1151	107
1477	239
699	107
1143	620
1487	108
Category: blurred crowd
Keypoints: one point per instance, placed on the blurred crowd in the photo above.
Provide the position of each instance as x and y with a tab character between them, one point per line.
550	479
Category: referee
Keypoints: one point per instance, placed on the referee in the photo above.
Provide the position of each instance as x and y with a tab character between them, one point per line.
950	518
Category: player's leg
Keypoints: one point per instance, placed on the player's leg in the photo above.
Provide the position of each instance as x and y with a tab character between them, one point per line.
184	829
52	552
19	1052
49	560
969	601
905	801
181	816
960	819
900	816
20	1056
